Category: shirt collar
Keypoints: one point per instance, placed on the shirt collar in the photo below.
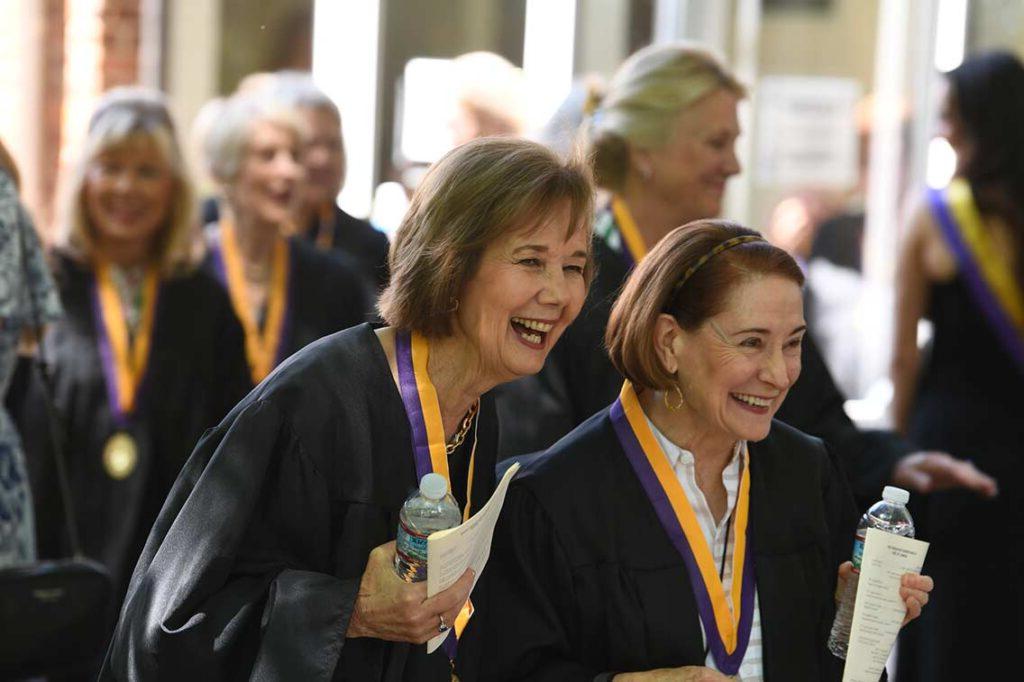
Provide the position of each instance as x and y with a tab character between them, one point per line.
674	453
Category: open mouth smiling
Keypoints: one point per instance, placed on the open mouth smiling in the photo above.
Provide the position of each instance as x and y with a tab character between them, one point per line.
533	332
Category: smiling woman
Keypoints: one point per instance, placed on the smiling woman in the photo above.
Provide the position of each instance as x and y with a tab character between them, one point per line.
149	354
680	533
285	293
274	556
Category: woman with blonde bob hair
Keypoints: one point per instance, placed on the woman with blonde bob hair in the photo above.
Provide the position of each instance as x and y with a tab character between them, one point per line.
149	354
682	533
274	555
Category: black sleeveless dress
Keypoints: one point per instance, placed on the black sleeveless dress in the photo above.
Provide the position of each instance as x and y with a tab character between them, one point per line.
969	404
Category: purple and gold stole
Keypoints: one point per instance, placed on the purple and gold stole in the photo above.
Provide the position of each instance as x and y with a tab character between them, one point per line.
124	360
728	634
264	348
424	411
633	247
989	277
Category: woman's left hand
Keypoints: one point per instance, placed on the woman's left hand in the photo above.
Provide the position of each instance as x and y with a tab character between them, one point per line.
914	590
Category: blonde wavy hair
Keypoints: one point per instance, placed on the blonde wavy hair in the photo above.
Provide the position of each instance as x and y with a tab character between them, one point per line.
125	116
644	98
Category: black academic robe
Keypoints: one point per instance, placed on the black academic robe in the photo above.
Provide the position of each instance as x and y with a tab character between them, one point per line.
583	580
578	380
325	295
357	240
195	375
253	566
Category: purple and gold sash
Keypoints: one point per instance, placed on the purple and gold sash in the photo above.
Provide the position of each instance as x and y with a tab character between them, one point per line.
124	359
264	348
727	635
424	411
633	247
989	277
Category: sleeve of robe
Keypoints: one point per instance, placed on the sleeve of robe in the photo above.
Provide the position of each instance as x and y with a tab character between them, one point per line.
234	581
528	626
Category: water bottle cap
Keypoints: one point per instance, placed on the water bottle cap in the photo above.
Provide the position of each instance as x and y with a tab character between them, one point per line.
433	486
895	495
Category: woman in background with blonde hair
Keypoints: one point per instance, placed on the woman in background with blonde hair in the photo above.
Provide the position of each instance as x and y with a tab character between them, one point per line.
149	355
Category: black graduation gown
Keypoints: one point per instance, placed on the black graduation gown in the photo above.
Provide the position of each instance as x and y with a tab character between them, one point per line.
325	295
583	579
196	374
578	380
359	241
254	564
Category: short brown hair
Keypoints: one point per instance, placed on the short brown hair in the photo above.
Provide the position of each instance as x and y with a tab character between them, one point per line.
644	98
652	289
469	198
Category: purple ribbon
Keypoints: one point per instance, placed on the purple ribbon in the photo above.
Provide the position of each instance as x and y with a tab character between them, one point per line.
107	359
1006	332
413	407
727	663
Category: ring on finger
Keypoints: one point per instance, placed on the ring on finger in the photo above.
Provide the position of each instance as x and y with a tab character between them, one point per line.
441	625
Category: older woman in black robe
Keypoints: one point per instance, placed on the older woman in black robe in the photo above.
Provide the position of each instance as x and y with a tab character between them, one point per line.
681	533
271	559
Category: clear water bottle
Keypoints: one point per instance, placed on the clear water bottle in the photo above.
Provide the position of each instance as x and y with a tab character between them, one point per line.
427	511
890	515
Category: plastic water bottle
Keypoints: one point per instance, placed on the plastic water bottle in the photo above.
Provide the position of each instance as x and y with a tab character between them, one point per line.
427	511
890	515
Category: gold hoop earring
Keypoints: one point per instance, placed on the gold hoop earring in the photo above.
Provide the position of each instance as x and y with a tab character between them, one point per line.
669	405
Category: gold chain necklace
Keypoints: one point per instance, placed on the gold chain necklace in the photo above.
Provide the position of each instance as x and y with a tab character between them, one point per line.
460	435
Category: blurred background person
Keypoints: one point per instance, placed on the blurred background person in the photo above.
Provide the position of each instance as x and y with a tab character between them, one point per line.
149	354
489	97
284	291
962	267
28	298
318	217
663	145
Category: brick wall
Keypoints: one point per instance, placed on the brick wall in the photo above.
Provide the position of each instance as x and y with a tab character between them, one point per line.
88	46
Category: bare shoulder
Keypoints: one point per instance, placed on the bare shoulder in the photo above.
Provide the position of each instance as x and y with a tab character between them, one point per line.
924	242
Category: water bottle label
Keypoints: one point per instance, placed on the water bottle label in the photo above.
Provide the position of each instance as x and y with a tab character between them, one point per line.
411	548
858	551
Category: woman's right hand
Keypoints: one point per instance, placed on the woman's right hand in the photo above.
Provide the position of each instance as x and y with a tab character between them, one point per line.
690	673
391	609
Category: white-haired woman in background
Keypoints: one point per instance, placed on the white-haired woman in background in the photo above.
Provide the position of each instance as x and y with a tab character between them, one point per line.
285	293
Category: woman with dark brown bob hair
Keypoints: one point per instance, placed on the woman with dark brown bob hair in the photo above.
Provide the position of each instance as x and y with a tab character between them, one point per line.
273	557
682	534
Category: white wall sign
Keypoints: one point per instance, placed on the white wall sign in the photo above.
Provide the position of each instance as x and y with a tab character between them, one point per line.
807	132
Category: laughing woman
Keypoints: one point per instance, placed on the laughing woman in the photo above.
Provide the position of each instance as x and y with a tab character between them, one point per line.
273	558
149	354
285	293
681	534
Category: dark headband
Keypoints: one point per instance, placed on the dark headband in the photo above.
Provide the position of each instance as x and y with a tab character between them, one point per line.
724	246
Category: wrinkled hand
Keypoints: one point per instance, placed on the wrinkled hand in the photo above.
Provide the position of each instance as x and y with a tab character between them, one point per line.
914	590
926	472
690	673
391	609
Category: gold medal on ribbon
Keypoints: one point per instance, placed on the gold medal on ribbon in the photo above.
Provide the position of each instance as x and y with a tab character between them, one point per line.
120	455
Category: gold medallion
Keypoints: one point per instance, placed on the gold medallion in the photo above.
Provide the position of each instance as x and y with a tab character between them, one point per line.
120	455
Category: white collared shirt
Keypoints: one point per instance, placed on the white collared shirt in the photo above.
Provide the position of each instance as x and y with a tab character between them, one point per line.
714	533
